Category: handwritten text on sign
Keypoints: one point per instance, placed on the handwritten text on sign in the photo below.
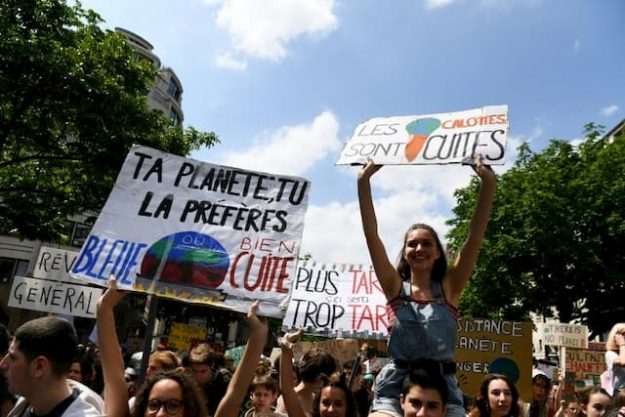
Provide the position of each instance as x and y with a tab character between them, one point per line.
567	335
181	336
198	232
328	301
488	346
442	138
54	264
54	297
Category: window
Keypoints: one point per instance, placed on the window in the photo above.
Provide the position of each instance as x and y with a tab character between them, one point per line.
173	90
10	267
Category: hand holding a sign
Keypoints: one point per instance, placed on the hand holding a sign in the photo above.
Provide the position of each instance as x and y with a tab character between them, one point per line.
256	324
485	172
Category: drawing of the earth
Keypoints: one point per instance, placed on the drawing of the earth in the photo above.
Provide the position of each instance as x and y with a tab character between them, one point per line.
507	367
193	259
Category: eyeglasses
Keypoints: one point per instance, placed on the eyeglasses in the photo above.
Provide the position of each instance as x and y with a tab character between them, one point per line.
171	406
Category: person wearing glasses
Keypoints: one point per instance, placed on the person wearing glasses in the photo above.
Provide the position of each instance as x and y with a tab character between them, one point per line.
171	393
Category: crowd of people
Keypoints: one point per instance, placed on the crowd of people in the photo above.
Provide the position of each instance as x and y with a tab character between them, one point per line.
48	375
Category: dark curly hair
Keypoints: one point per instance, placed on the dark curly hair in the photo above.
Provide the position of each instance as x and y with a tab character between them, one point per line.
482	408
193	399
440	265
335	382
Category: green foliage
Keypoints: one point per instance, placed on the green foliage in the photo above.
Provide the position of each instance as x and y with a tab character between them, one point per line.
73	100
555	237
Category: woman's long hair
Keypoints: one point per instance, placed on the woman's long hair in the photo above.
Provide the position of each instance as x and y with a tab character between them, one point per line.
482	406
610	344
335	382
193	399
439	270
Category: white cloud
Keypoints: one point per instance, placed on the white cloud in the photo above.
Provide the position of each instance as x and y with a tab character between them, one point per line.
227	61
263	29
437	4
576	45
333	233
609	111
290	150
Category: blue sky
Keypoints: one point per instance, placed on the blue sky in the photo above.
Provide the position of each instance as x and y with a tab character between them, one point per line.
285	82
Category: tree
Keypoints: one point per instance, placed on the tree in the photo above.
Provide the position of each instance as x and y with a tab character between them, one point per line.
73	99
555	237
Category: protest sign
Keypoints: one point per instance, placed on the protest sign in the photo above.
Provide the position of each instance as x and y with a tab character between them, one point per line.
337	301
198	232
54	297
565	335
585	365
182	335
494	346
342	349
442	138
54	264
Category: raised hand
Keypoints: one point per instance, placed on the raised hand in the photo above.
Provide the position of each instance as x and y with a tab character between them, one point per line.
111	296
485	172
368	169
255	323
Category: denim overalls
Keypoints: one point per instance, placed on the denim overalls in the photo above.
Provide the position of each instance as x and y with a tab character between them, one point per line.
422	330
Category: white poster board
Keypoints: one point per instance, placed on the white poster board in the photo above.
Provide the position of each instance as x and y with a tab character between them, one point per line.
54	264
565	335
198	232
54	297
441	138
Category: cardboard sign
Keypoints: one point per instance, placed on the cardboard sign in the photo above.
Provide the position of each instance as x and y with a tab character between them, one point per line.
494	346
54	297
54	264
342	349
442	138
564	334
182	335
198	232
585	364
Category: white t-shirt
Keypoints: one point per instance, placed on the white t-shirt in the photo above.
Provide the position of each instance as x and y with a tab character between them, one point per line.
617	372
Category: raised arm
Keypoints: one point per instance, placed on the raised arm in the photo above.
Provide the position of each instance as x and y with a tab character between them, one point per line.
243	375
115	394
462	268
387	274
289	396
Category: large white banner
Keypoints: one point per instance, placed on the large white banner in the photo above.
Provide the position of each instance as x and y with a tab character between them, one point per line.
198	232
441	138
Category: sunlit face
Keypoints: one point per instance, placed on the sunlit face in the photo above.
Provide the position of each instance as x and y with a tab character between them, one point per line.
165	400
499	398
75	372
202	373
420	402
263	399
332	402
17	370
421	249
598	404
